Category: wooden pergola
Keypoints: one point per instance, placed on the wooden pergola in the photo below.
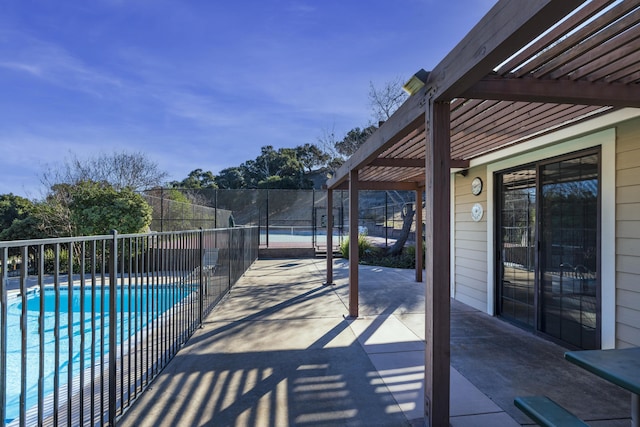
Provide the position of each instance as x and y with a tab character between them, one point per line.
527	68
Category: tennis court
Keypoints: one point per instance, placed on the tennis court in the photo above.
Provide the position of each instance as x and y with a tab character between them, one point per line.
298	236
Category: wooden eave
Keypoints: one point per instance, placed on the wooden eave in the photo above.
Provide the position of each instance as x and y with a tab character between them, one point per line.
517	74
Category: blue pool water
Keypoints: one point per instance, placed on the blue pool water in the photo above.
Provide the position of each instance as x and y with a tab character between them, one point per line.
135	304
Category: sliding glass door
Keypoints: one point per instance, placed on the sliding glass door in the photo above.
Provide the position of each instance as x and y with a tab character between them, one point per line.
517	246
569	250
547	267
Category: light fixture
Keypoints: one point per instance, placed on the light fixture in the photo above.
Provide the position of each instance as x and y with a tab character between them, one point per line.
416	82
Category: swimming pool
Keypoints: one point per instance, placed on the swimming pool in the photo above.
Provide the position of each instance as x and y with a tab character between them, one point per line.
136	306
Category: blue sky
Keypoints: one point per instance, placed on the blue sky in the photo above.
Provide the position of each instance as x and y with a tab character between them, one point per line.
201	83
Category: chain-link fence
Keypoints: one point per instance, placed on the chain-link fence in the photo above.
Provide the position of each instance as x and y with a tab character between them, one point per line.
176	215
286	218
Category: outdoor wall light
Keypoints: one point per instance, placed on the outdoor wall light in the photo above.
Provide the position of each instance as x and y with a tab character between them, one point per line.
416	82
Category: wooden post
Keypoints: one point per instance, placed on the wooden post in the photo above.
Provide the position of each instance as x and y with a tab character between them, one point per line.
419	239
437	233
329	237
353	243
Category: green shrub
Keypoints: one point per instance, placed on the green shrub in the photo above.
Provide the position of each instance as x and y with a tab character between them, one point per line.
363	246
373	255
50	261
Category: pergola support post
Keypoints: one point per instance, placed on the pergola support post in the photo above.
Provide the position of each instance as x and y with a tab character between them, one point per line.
419	239
329	223
353	243
437	243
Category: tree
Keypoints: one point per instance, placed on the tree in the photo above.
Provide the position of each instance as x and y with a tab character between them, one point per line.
119	169
17	220
53	213
353	140
279	182
407	219
23	229
328	144
386	100
283	163
197	179
97	208
231	178
310	156
13	208
91	208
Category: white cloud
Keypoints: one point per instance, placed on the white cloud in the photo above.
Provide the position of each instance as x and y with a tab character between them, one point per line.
54	64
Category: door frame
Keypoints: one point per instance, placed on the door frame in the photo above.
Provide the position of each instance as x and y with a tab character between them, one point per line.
538	291
605	139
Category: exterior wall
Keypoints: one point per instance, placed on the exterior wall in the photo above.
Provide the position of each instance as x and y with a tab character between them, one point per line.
470	241
628	234
619	136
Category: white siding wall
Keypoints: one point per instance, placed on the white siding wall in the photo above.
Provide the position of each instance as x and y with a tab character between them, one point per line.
470	242
628	234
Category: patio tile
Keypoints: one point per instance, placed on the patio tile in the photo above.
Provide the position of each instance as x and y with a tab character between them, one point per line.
385	334
413	321
403	374
279	302
466	399
273	335
278	351
500	419
383	291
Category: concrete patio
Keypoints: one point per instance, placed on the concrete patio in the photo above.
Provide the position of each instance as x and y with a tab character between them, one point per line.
279	351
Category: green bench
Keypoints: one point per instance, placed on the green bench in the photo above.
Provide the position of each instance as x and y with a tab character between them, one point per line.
546	412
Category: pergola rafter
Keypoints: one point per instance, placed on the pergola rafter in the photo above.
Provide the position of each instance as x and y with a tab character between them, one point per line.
555	91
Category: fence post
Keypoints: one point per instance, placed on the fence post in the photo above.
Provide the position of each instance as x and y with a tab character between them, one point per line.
267	217
201	278
313	217
161	209
386	218
4	278
113	278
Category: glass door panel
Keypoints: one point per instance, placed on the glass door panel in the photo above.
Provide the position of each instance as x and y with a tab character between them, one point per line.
517	246
568	250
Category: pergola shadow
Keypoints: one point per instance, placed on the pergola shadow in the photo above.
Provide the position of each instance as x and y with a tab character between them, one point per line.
279	350
276	352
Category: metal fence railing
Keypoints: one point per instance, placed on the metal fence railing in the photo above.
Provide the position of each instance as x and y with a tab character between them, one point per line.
86	323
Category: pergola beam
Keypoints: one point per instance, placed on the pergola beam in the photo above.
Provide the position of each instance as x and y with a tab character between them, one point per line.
459	163
382	185
555	91
404	123
505	29
398	162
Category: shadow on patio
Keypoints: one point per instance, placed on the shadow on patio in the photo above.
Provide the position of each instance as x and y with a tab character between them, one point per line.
278	351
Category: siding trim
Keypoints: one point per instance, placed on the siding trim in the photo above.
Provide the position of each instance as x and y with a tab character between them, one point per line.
452	222
608	242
